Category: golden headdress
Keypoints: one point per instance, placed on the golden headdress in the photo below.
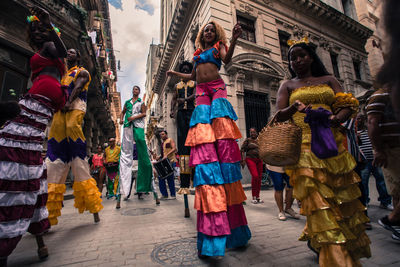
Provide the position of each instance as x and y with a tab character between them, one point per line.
294	42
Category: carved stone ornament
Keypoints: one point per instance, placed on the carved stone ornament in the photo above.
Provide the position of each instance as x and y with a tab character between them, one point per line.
268	2
246	9
258	66
298	31
325	44
239	78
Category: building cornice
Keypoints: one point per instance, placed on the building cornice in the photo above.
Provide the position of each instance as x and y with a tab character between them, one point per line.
332	16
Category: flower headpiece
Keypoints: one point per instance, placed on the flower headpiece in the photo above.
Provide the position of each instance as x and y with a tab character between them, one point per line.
294	42
33	18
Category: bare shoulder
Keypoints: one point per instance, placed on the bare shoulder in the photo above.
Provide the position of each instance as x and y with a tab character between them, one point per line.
286	86
83	73
333	83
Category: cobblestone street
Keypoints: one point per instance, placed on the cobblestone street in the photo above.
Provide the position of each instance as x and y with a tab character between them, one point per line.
143	234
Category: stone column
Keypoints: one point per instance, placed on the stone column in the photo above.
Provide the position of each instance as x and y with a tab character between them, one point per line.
237	80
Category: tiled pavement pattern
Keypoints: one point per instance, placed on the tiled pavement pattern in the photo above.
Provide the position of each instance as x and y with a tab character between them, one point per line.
165	237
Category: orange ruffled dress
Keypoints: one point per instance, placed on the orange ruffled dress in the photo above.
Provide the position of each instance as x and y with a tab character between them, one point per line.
328	189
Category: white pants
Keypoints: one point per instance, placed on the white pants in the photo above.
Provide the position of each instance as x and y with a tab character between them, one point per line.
126	161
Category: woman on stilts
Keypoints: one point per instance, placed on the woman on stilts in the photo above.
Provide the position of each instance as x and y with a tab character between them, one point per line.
323	179
215	154
23	183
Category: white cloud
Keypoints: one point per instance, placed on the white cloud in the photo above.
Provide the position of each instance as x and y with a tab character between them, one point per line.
133	30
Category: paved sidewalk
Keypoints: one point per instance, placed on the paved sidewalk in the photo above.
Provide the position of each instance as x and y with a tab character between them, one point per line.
166	238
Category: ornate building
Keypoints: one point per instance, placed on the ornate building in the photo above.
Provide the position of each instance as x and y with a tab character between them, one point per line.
369	13
153	106
85	25
260	61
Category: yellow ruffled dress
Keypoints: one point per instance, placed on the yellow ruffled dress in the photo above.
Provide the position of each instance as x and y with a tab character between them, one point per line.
328	190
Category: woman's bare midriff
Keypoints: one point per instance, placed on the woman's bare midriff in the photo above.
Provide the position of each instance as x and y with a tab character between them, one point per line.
207	72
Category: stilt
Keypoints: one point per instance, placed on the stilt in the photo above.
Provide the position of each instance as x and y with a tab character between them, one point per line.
42	249
187	211
96	217
118	206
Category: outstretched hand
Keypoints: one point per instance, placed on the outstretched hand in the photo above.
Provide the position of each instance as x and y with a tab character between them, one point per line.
42	15
236	32
170	73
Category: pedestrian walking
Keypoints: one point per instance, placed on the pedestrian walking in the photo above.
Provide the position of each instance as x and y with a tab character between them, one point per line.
251	157
97	168
325	184
168	152
351	143
111	161
366	148
23	183
221	220
384	133
281	181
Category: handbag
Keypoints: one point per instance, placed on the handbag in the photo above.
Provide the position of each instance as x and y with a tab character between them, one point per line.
280	142
323	143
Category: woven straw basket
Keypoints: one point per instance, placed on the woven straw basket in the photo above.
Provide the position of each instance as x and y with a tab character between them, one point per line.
280	143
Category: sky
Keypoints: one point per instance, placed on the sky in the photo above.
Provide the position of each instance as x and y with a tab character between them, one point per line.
134	26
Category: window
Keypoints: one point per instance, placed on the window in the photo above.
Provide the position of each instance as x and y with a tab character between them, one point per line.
14	74
283	38
357	69
12	86
335	66
248	29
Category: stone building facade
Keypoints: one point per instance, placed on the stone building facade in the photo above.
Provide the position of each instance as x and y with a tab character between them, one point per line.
260	63
369	14
152	125
85	25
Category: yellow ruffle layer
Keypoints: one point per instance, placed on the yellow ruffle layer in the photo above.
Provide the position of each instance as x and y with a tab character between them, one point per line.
54	201
340	164
87	196
184	191
334	213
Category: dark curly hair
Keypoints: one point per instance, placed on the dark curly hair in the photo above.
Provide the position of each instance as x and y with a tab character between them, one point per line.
317	67
185	63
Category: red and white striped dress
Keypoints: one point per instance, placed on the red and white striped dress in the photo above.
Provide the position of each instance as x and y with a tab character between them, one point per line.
23	184
23	179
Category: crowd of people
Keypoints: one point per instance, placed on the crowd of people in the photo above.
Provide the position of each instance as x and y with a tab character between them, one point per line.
330	184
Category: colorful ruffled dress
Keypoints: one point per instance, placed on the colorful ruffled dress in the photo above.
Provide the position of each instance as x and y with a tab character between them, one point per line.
328	188
215	154
66	149
23	184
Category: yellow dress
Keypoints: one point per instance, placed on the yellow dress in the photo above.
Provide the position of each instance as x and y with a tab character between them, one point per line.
328	191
